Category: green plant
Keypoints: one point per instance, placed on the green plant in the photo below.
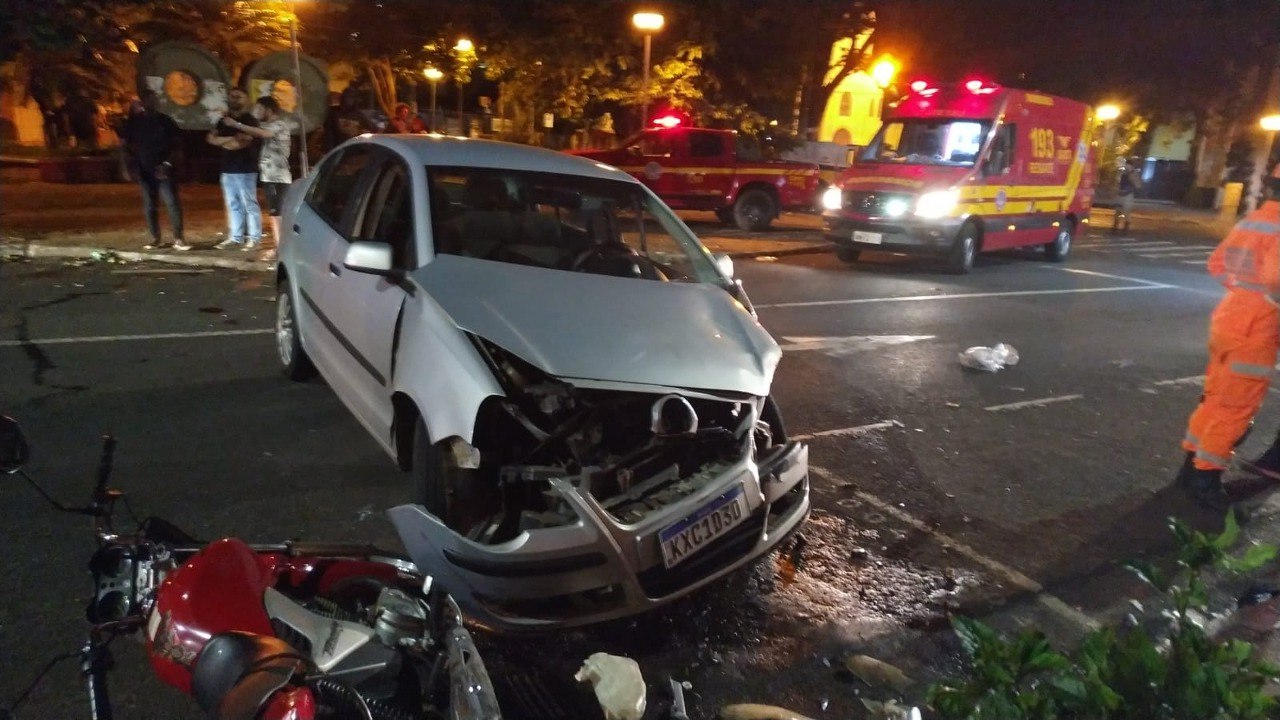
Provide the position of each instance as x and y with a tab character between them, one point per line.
1179	673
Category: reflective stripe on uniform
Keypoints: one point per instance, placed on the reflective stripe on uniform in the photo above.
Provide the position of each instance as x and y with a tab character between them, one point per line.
1191	440
1261	226
1211	458
1252	369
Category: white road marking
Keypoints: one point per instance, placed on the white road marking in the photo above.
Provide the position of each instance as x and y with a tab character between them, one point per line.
1147	285
1182	248
1018	579
1204	256
127	338
1094	273
1193	262
1142	246
1033	403
1188	380
839	346
850	431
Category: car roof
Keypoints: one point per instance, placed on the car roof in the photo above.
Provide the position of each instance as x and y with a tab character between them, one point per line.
450	151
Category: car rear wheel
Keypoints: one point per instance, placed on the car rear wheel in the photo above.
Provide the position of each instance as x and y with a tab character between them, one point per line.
963	252
1058	250
293	359
848	254
754	210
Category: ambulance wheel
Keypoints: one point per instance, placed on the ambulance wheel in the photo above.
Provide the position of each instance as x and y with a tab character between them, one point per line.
963	252
754	210
847	254
1058	250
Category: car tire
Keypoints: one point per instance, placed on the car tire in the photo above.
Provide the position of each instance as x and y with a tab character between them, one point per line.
963	251
1058	250
293	359
848	254
773	418
446	491
754	210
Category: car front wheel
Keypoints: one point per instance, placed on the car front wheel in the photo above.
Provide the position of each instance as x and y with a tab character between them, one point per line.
454	495
293	359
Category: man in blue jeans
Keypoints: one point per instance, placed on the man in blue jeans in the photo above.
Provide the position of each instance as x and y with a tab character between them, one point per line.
239	161
150	139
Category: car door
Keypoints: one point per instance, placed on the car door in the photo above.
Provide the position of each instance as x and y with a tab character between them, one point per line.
321	225
364	309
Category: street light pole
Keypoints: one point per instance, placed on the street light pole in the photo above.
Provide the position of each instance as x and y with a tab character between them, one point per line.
647	23
433	75
464	48
297	91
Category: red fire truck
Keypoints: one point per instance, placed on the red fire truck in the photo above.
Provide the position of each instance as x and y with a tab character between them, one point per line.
960	169
705	169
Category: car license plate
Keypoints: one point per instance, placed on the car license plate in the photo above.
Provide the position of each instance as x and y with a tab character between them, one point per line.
695	532
869	238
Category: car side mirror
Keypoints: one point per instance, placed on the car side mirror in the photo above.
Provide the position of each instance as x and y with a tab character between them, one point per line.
14	450
724	263
369	257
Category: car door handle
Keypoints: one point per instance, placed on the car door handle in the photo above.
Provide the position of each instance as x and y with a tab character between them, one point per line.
334	270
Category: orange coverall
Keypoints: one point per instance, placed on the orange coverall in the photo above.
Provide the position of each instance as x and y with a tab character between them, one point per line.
1244	335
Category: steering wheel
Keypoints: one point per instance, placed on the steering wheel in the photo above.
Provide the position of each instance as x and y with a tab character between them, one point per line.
604	251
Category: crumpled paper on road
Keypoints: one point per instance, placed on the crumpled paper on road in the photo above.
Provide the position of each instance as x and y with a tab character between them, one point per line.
990	359
751	711
618	684
877	672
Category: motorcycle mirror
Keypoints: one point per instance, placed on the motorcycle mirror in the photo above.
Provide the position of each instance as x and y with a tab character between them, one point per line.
14	450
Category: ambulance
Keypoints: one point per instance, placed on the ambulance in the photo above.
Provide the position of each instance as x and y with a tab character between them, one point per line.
959	169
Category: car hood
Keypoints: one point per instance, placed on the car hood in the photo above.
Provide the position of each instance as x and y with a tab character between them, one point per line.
575	325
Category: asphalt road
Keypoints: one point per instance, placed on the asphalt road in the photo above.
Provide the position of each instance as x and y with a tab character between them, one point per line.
937	489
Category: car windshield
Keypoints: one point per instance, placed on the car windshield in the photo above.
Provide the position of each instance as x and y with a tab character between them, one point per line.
953	143
564	222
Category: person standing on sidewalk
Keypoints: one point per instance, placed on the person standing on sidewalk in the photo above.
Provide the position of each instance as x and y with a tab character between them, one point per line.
1244	338
239	176
275	131
1130	184
149	138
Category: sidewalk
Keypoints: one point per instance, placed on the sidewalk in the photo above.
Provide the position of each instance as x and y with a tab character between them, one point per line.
102	222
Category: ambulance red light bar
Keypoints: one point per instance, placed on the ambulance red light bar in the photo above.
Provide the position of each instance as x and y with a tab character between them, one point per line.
921	87
980	87
667	121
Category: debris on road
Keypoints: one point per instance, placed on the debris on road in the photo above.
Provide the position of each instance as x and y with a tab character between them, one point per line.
877	672
990	359
618	684
767	258
953	405
678	710
751	711
890	710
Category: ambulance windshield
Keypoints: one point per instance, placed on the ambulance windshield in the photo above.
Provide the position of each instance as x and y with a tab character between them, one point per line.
953	143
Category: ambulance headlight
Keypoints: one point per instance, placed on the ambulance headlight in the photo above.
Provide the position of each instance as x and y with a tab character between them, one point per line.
937	203
896	207
833	198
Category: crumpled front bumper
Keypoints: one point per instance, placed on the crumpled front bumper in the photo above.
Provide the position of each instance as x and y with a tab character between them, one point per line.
598	568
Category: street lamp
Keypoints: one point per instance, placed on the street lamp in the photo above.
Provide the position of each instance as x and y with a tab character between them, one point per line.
433	75
465	50
1108	114
297	90
1270	123
647	23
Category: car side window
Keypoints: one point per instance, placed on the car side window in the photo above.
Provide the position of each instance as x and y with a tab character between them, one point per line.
706	145
335	186
657	145
388	215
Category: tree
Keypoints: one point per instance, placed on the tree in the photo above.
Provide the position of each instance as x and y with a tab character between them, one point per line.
237	32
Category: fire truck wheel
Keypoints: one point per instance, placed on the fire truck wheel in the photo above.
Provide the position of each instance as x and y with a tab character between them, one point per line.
848	255
1058	250
965	249
754	210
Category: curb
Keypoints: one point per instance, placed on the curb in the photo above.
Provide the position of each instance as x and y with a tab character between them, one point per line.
32	250
805	250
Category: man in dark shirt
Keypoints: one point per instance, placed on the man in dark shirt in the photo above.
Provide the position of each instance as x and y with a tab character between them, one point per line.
239	160
149	137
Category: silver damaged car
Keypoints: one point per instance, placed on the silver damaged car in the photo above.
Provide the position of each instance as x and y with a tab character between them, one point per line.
577	388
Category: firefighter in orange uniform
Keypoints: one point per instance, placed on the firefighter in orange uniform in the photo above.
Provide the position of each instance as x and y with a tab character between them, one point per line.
1244	336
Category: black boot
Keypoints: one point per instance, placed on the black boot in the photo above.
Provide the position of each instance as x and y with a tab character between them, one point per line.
1183	478
1205	487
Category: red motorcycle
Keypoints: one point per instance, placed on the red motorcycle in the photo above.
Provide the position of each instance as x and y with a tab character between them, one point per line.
292	631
